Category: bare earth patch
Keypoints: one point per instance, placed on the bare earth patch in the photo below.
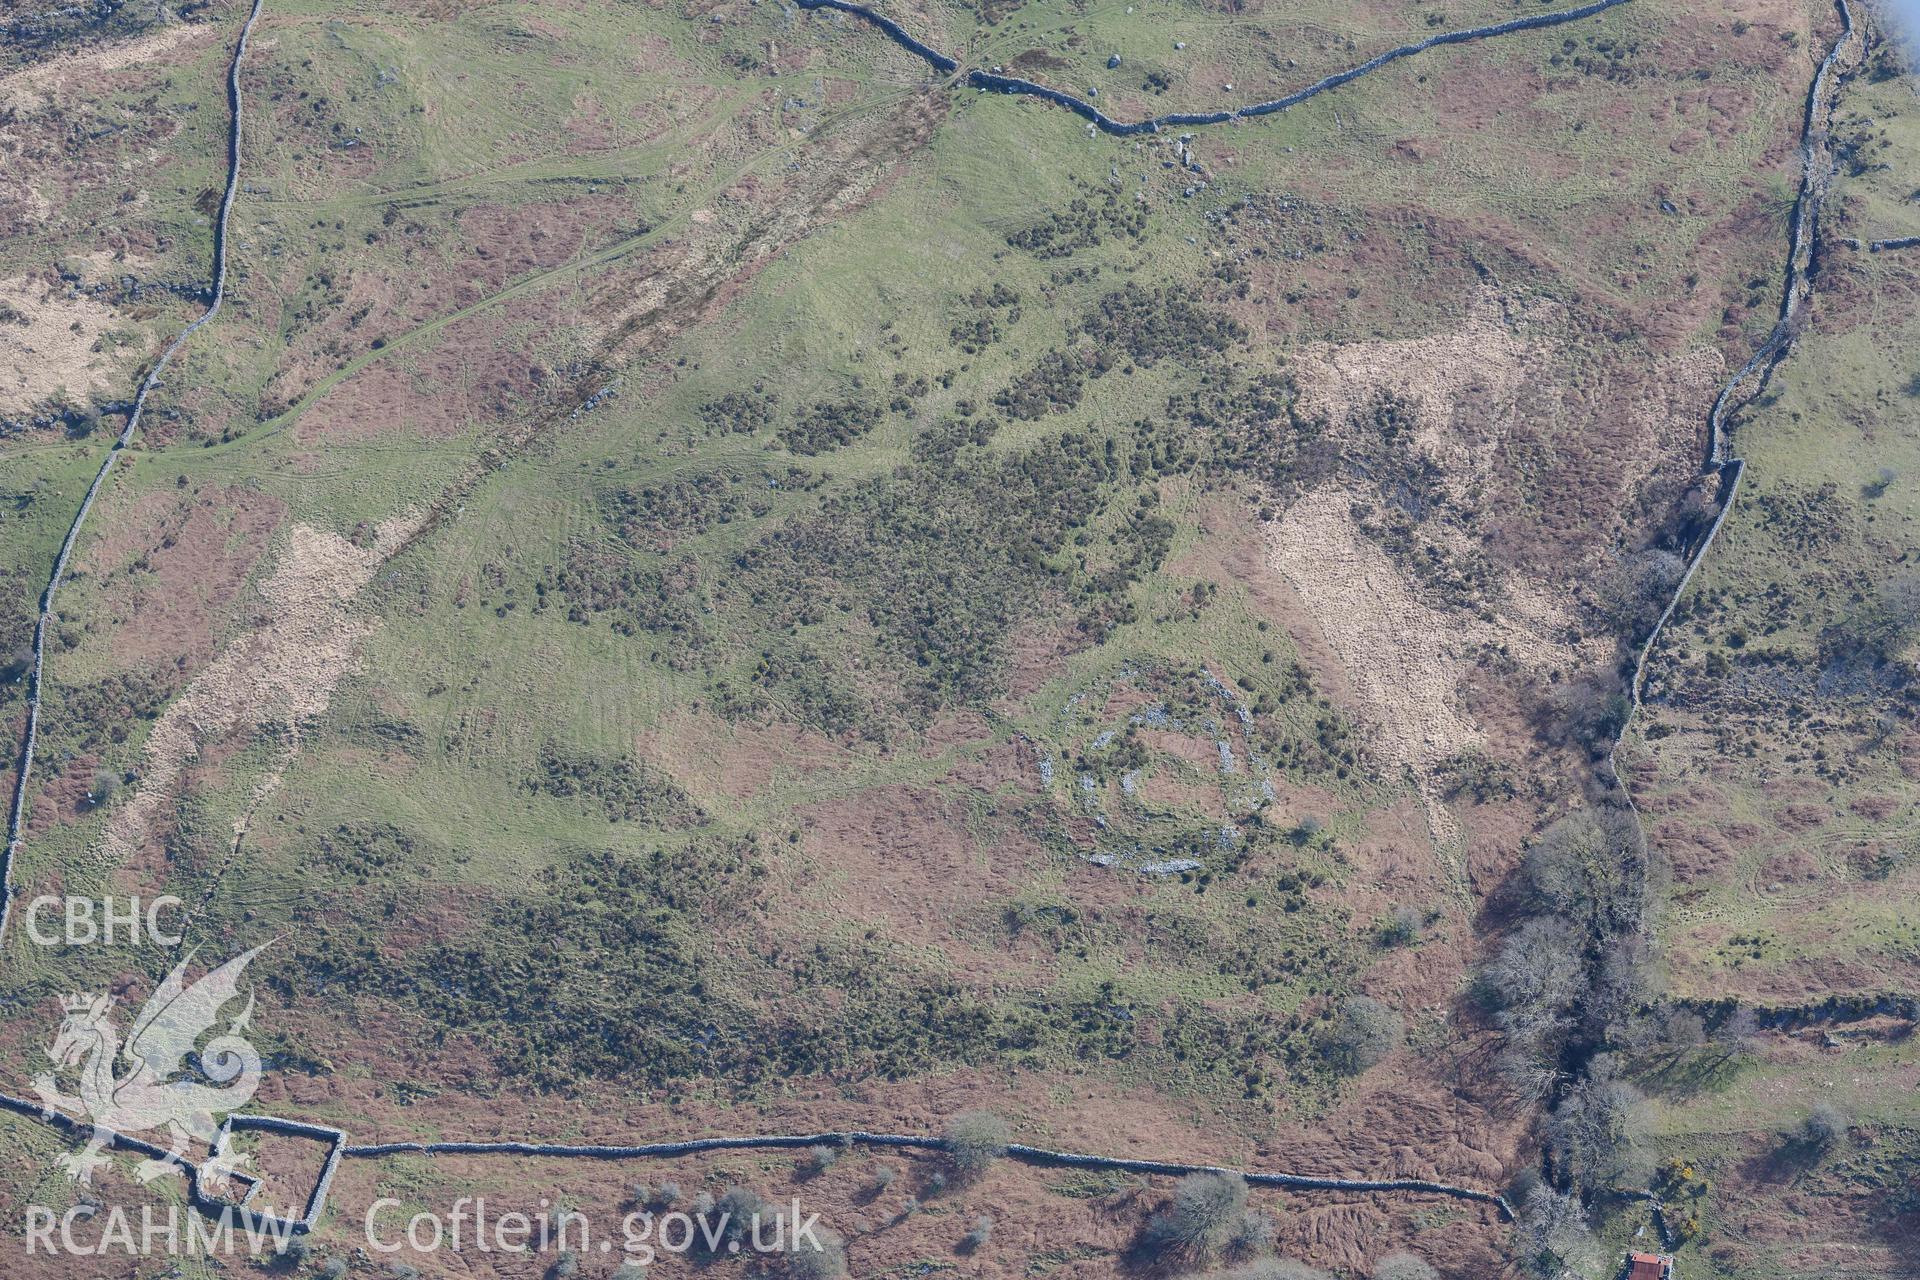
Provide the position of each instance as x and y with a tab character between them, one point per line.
1465	383
284	672
20	89
50	343
1480	395
1403	659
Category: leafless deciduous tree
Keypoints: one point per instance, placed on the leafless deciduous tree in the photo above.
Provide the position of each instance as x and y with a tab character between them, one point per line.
1534	981
1824	1127
1590	867
973	1141
1206	1212
1364	1031
1739	1035
1597	1135
1551	1236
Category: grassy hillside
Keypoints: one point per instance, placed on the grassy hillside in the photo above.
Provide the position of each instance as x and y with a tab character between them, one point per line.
710	582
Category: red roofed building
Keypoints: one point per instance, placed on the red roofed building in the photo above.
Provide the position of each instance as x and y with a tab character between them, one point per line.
1649	1266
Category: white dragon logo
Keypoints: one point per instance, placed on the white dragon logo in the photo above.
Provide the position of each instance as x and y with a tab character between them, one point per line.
149	1096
